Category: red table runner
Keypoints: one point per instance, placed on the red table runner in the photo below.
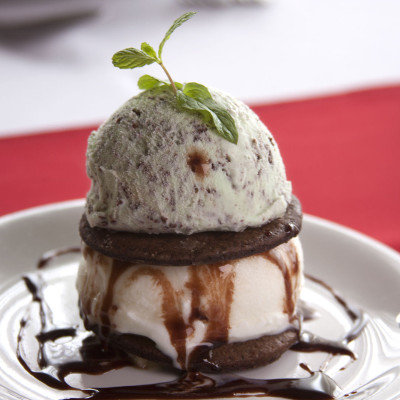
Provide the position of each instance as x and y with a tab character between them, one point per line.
341	153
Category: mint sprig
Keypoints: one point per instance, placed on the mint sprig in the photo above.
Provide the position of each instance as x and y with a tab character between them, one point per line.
196	97
191	97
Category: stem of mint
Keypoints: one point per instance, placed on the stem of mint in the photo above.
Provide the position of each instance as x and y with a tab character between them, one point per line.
169	77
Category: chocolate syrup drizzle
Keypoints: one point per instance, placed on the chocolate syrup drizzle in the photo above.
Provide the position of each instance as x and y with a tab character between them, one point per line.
96	358
310	343
47	257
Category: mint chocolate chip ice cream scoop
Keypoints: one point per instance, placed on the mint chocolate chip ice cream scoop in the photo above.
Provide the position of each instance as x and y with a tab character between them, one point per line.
155	169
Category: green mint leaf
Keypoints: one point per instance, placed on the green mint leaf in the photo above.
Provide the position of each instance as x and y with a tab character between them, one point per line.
196	91
146	48
131	58
176	24
228	130
178	85
146	82
212	113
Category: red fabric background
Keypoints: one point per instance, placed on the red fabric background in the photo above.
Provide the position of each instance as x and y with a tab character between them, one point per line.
341	154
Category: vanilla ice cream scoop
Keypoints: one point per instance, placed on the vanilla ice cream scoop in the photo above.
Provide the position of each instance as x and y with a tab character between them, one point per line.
183	308
157	169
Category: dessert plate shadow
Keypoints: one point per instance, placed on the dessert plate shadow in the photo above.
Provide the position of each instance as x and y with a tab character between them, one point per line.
364	272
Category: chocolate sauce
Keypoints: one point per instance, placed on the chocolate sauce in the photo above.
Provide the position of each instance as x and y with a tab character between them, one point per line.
311	343
353	313
275	256
194	385
35	291
96	358
215	282
50	255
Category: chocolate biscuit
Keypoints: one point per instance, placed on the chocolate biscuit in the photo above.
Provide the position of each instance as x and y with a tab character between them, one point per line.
196	249
220	358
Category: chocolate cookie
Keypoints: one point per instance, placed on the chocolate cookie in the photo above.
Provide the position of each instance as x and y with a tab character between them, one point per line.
249	354
196	249
223	358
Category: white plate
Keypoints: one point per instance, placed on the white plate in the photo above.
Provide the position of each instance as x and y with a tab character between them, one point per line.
364	271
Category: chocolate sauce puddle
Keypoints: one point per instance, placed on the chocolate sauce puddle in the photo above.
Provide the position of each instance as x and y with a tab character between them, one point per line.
199	386
95	358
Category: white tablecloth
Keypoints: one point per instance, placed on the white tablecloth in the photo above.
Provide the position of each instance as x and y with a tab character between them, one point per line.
58	73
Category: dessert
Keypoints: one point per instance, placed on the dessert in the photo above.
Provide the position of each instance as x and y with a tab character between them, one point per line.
190	248
190	259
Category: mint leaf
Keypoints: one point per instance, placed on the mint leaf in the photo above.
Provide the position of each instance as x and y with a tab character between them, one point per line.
213	114
134	58
178	85
146	48
146	82
196	91
228	130
176	24
131	58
